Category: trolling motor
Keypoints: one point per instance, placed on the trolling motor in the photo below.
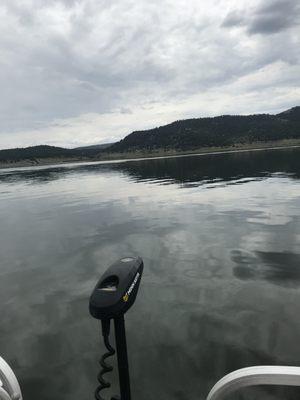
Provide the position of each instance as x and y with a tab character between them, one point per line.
113	295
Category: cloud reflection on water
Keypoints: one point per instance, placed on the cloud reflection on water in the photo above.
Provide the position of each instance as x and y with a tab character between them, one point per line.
220	288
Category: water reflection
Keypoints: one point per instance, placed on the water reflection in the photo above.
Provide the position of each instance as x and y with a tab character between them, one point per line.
192	169
220	238
278	268
212	168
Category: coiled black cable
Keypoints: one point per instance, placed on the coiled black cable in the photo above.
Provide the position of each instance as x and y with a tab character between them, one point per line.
104	384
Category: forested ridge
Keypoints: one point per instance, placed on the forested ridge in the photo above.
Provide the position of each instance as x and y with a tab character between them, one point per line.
225	130
182	135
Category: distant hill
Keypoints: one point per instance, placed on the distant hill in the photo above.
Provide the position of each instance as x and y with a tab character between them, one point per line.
225	130
42	152
183	135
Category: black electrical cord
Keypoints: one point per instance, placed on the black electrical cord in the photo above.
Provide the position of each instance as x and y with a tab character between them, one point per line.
105	367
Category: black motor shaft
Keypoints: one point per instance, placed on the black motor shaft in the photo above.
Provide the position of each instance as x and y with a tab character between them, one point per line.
113	295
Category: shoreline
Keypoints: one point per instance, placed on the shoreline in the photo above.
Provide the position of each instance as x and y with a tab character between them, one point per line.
139	156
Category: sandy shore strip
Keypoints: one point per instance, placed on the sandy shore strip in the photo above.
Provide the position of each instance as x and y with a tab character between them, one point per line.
129	157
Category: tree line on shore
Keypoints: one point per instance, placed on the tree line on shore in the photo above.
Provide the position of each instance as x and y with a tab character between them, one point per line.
182	135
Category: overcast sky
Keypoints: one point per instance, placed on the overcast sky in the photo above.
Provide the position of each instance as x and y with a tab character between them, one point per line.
92	71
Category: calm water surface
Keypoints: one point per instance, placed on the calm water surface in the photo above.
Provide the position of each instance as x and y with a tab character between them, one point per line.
220	239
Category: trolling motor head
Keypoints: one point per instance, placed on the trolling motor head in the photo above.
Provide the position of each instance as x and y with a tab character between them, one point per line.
117	288
113	295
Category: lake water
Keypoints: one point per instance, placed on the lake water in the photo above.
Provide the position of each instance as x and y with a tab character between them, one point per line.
220	240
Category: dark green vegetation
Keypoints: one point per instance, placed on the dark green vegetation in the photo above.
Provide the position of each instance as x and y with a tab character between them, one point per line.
225	131
36	153
222	131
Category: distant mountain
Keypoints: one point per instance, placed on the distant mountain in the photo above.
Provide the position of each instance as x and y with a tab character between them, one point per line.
36	153
33	152
225	130
292	114
183	135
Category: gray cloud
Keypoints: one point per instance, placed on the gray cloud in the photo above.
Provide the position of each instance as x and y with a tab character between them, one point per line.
233	18
69	69
275	16
268	17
